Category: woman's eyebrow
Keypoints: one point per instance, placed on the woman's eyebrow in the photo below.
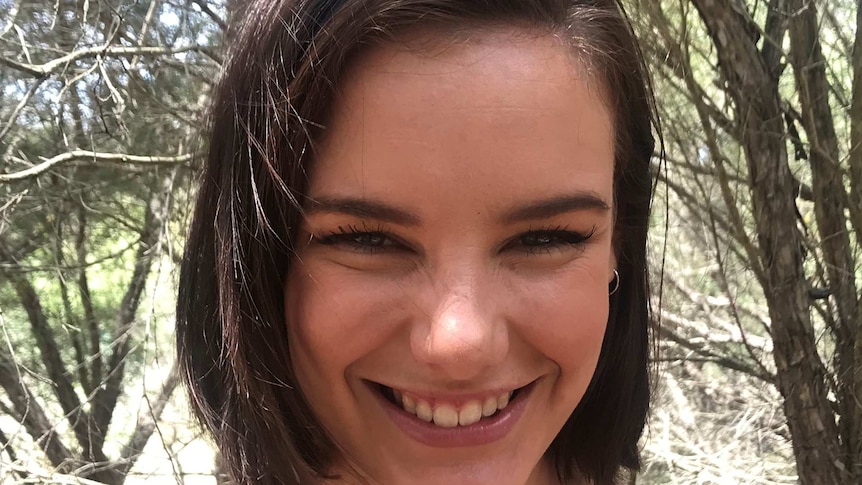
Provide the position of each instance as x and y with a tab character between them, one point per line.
554	206
541	209
362	208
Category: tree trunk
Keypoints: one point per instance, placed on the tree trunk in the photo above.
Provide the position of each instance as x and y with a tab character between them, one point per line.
801	374
809	67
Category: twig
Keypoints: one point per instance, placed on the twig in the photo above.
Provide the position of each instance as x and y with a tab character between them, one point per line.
46	69
724	361
96	157
208	11
11	16
17	110
148	423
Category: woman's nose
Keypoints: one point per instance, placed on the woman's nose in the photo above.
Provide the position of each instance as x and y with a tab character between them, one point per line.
465	332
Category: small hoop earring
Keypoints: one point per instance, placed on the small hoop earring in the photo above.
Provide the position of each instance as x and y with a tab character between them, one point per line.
616	283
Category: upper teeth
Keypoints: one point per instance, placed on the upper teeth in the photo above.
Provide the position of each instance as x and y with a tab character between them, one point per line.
448	415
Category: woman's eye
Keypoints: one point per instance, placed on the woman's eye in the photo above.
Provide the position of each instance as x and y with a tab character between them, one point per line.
359	240
545	240
372	239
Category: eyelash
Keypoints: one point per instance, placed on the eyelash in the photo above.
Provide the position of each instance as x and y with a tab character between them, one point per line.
378	240
558	238
348	236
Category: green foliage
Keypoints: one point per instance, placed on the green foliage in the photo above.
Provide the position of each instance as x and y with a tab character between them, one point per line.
100	112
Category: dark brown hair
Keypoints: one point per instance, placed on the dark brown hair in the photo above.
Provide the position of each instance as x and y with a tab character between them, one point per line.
268	109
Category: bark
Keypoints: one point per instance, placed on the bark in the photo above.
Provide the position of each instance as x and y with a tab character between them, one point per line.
71	321
856	137
855	211
801	374
94	332
776	26
809	67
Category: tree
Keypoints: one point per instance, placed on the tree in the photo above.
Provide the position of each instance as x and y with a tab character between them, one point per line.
100	111
759	100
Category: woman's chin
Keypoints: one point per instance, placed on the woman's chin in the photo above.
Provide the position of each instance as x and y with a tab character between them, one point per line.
475	472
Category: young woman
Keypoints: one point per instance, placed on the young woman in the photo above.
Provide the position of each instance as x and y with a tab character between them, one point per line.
418	252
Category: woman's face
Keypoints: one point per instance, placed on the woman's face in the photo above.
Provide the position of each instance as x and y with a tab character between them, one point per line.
448	302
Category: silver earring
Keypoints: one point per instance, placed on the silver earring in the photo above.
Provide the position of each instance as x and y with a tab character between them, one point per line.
616	283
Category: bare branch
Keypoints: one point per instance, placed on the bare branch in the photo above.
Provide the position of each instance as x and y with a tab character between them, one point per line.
76	155
725	286
44	70
701	348
92	324
30	413
17	111
49	351
148	422
155	219
6	445
12	16
145	27
205	8
57	478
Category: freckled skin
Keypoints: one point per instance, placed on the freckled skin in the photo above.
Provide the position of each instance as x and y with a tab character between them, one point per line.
455	136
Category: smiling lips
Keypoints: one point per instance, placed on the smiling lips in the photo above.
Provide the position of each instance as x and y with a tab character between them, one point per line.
449	415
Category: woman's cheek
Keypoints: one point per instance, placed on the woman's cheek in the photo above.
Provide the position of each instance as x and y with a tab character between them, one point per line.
566	315
335	310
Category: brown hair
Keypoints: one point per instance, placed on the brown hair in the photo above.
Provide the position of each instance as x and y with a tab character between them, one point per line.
268	110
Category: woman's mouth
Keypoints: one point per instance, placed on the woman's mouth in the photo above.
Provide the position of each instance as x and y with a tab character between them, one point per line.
446	414
446	422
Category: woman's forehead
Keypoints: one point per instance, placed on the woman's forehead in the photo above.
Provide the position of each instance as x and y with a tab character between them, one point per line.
511	114
507	51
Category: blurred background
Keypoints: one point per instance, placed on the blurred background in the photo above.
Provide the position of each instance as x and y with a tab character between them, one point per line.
755	238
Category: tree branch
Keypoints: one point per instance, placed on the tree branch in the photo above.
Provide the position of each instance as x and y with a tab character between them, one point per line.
6	445
776	25
49	352
30	413
801	376
148	422
155	219
725	287
90	321
212	15
76	155
24	100
73	326
855	156
701	349
809	68
48	68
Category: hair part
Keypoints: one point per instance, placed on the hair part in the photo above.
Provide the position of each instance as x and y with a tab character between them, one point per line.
267	113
